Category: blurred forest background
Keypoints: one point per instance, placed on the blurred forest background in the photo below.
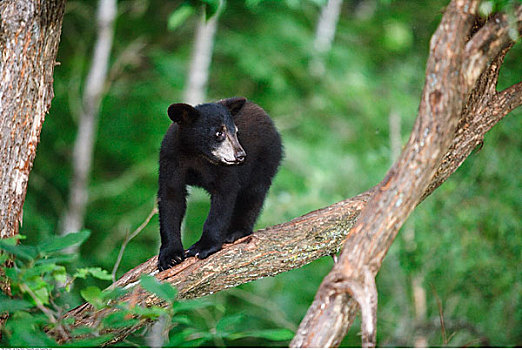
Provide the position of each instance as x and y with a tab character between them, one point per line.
343	110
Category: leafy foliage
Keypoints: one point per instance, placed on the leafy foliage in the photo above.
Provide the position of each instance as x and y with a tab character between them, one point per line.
35	304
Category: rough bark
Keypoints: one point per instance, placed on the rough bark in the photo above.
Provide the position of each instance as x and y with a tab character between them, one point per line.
74	214
197	78
29	36
454	93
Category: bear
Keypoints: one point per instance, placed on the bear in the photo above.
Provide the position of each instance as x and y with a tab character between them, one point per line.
231	149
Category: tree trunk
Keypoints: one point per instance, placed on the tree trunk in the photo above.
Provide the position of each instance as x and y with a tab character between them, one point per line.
30	33
195	91
29	36
74	214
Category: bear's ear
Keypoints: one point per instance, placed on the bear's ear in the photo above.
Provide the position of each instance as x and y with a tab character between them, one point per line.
182	113
234	104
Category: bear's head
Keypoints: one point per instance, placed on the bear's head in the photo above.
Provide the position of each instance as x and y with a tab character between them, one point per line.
209	129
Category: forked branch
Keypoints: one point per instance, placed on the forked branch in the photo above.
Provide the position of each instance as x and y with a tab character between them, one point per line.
458	100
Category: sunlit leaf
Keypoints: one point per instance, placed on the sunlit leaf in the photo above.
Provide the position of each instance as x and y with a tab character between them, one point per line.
93	295
152	312
163	290
179	16
95	272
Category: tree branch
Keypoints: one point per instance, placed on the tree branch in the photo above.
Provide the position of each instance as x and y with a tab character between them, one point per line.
487	44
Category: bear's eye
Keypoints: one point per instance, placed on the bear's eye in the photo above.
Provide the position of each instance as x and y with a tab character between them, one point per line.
220	135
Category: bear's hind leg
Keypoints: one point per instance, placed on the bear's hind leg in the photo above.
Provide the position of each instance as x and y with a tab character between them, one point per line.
246	210
214	229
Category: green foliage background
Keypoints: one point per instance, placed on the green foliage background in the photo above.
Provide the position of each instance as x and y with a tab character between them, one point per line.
463	243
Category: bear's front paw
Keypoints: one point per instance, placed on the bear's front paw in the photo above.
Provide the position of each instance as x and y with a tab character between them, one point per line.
170	256
202	249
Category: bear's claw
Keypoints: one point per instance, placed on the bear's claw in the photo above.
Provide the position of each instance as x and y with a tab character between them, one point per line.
170	257
201	250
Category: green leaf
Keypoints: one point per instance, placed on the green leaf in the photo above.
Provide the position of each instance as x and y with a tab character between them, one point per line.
113	293
188	305
179	16
182	319
27	330
79	331
163	290
93	295
13	240
185	337
40	269
95	272
12	305
152	312
90	342
119	319
56	243
212	7
229	323
26	252
42	294
60	275
62	258
3	258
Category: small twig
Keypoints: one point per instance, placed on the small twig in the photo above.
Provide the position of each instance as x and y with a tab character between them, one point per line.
45	310
128	238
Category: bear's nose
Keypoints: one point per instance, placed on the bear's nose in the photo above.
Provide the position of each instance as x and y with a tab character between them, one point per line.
240	156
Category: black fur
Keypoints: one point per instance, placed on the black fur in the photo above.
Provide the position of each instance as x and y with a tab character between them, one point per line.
237	189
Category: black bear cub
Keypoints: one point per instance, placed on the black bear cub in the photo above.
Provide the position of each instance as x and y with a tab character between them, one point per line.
232	150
